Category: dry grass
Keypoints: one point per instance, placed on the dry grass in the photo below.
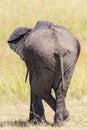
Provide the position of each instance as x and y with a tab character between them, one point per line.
13	13
15	115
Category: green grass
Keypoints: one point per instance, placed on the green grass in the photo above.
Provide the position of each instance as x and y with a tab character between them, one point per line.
13	13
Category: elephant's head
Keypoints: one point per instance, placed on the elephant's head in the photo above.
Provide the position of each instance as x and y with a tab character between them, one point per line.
17	39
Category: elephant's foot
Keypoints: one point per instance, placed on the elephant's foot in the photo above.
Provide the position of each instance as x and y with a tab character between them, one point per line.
58	119
58	123
65	115
38	121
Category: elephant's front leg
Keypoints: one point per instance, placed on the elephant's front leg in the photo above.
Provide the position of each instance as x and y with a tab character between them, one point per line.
36	115
60	103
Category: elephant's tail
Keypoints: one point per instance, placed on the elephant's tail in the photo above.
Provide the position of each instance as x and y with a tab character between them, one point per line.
60	52
62	71
60	59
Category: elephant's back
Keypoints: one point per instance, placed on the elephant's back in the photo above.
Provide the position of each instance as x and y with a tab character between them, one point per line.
40	39
40	46
66	39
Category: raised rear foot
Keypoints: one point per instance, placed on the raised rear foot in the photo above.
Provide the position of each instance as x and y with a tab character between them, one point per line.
65	115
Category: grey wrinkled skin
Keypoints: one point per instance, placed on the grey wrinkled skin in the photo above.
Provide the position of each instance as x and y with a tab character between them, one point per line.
50	53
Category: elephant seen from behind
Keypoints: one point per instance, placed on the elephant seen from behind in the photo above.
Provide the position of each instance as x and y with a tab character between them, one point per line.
50	53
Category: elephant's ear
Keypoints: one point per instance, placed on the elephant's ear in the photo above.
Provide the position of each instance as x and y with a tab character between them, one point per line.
17	39
18	32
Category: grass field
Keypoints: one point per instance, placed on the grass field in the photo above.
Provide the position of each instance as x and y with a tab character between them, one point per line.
69	13
17	117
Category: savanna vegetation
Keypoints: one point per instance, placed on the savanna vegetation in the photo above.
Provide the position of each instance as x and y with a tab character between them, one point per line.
71	14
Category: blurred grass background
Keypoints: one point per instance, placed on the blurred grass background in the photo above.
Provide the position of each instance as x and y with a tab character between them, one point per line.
71	14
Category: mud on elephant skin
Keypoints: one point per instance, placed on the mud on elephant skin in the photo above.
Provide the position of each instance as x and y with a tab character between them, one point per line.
50	53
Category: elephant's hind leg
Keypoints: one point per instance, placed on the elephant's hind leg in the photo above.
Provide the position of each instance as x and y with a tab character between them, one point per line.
52	103
48	98
68	73
61	111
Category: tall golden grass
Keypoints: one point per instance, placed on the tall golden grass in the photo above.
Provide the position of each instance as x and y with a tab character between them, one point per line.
13	13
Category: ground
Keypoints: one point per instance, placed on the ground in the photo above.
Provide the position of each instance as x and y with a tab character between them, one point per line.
14	116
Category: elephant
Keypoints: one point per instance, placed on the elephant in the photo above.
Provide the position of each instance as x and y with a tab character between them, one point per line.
50	53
